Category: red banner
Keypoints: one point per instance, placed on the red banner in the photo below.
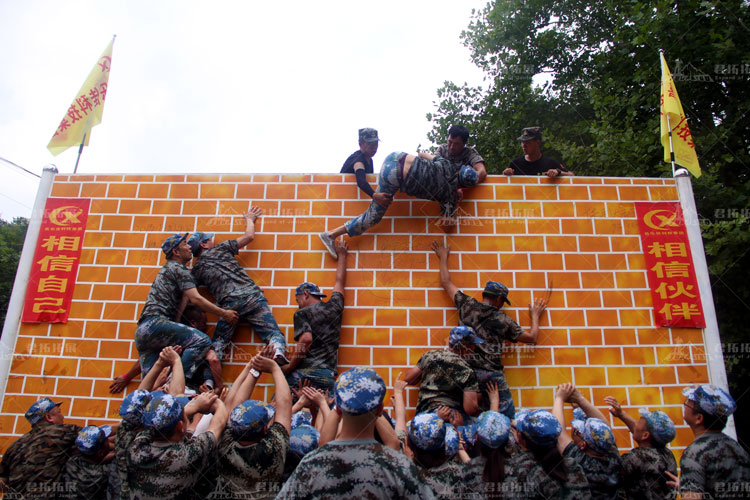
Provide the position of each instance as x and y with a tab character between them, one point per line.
58	252
669	263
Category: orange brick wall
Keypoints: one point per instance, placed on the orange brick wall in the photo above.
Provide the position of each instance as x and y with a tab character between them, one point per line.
578	235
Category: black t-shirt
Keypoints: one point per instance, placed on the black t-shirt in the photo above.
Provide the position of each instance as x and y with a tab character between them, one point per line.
522	167
356	157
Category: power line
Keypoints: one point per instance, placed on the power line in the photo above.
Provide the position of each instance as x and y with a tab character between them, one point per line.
20	167
15	201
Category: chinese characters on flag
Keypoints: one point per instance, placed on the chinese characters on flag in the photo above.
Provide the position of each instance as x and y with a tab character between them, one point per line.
55	267
669	264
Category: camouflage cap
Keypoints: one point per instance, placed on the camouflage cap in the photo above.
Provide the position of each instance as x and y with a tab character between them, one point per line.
368	135
302	417
540	427
497	289
91	438
467	176
196	239
659	425
463	334
711	399
493	429
39	409
171	243
249	417
303	439
468	433
597	434
451	440
579	414
163	412
427	431
132	407
359	391
531	133
310	288
520	413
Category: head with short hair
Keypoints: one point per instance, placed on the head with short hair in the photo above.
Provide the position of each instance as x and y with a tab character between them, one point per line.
368	141
459	132
457	138
195	317
308	293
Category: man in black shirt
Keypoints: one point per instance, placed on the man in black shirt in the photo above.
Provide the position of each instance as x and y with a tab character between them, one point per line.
360	164
533	162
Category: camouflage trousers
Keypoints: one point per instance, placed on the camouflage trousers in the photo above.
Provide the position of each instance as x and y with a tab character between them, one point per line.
320	378
388	182
257	313
506	399
155	333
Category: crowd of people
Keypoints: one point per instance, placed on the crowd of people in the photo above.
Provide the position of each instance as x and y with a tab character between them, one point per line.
186	434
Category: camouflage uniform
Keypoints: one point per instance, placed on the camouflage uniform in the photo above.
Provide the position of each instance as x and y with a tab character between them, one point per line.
123	439
252	471
157	328
525	478
717	466
494	327
468	156
445	378
355	470
603	474
429	180
32	465
323	320
643	473
161	470
232	288
86	480
447	481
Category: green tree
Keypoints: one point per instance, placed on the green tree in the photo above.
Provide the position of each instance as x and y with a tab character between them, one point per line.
12	235
589	74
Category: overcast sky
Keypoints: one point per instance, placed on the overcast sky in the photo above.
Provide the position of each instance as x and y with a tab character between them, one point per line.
223	86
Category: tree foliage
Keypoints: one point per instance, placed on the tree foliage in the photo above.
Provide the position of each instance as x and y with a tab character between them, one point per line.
589	74
12	235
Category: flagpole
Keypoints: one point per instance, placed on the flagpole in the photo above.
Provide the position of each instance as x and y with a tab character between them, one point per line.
671	146
80	150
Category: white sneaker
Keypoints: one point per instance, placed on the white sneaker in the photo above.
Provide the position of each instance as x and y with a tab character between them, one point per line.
328	243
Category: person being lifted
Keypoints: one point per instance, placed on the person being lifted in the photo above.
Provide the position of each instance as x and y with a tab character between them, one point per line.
491	325
217	269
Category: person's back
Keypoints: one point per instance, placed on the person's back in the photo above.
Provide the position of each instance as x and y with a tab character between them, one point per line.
219	271
643	473
525	478
715	464
445	378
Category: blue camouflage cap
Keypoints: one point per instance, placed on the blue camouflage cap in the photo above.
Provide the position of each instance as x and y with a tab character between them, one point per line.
427	431
302	417
359	391
249	417
493	429
39	409
539	426
579	414
163	412
468	433
304	439
497	289
196	239
597	434
659	425
520	413
463	334
451	440
310	288
710	399
132	407
368	135
467	176
91	438
171	243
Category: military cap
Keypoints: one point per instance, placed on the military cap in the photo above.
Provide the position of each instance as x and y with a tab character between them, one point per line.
171	243
249	417
359	391
579	414
132	407
163	412
493	429
539	426
451	440
91	438
597	434
196	239
427	431
659	425
302	417
463	334
303	439
468	433
711	399
531	133
368	135
497	289
310	288
39	409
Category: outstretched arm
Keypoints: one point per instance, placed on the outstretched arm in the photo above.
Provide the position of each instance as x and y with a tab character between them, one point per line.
177	384
250	217
121	382
481	171
535	312
282	393
399	406
586	406
618	412
443	252
341	250
227	315
561	395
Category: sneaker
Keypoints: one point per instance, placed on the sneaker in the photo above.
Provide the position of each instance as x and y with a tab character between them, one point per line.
328	243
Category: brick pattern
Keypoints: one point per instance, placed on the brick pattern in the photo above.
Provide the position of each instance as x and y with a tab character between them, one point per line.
577	235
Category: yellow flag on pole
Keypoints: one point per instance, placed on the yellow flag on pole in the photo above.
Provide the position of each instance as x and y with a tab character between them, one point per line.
673	118
86	110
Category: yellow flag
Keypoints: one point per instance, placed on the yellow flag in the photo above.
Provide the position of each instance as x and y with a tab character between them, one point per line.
86	109
682	141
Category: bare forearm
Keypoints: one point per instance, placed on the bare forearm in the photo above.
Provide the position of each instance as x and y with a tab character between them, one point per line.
387	434
148	381
330	427
629	421
177	384
231	399
399	409
590	409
